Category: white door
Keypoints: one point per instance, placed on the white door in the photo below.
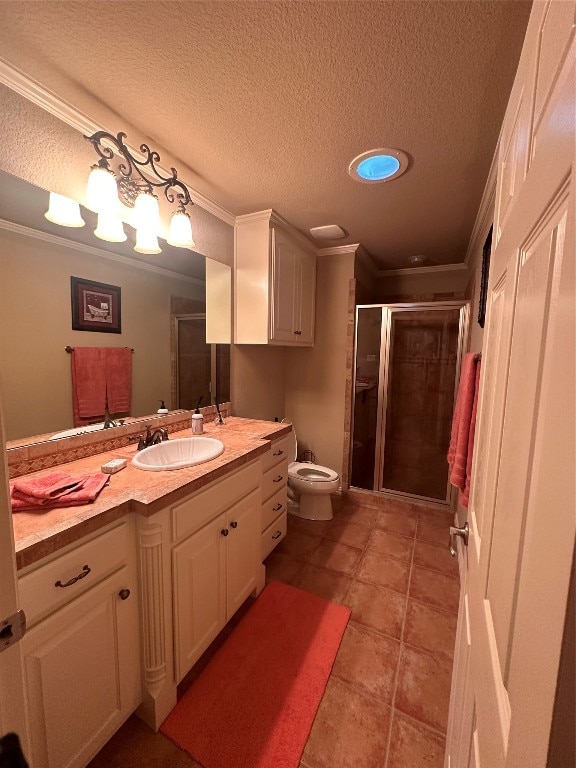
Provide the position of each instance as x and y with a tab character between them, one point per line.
12	709
521	513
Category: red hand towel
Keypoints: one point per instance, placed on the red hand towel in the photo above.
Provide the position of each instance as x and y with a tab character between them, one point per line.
47	486
119	379
85	492
88	384
461	422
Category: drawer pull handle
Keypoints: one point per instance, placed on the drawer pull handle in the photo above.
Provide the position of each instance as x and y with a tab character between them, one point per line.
224	531
124	594
277	507
233	524
82	575
278	453
278	479
277	535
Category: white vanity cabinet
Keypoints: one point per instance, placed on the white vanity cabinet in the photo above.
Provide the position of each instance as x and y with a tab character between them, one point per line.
275	282
274	495
217	566
82	651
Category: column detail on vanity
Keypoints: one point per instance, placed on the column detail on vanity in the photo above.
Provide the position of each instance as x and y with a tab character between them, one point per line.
152	599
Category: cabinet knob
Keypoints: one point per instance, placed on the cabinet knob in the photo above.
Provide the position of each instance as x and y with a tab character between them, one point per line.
277	535
233	524
277	507
224	531
278	479
298	333
124	594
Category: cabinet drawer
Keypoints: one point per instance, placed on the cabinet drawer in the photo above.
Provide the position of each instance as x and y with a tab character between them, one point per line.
273	507
52	585
273	535
199	509
278	452
275	479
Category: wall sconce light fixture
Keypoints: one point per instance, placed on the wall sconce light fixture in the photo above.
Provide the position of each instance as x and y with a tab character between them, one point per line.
138	177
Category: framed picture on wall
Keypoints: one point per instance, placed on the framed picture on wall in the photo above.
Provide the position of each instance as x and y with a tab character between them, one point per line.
486	251
95	306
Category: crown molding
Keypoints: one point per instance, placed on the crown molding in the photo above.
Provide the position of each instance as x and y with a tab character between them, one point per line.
339	250
90	250
33	91
423	270
274	219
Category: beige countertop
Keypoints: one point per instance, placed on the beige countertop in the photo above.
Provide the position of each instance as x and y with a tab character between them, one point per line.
38	534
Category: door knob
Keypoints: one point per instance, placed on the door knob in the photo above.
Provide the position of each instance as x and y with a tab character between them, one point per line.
462	532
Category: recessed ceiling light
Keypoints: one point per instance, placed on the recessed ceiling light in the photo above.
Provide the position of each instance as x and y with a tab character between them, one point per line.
378	165
328	232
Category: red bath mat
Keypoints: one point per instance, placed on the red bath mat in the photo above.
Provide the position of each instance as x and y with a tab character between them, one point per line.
254	704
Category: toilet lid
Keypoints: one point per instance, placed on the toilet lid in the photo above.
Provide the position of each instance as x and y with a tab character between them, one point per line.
313	472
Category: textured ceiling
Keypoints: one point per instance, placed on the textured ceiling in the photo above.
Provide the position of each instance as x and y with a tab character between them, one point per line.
268	102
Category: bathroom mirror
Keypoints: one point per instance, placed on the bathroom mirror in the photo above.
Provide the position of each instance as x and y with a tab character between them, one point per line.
37	260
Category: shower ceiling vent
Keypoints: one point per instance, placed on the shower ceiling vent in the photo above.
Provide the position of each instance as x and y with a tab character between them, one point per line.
328	232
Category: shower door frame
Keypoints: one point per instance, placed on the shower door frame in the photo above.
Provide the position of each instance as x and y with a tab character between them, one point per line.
387	310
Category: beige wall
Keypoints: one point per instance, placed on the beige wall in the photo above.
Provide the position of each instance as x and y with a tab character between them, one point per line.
35	326
257	381
422	287
315	378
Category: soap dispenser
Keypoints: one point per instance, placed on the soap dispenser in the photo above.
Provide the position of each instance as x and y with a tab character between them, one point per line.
162	408
197	420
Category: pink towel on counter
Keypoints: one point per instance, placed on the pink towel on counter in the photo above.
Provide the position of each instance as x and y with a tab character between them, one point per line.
463	426
58	489
88	384
118	379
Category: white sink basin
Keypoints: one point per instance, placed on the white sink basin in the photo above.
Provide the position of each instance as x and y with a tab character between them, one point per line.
177	454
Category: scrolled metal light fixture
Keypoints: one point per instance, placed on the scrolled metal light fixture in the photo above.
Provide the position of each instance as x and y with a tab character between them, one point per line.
138	178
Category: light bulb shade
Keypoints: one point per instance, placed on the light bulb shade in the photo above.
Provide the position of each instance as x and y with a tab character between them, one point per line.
110	228
102	192
180	234
147	212
146	241
64	211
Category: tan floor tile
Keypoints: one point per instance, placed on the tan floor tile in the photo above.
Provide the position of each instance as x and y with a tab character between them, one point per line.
280	567
423	690
326	584
384	571
429	628
436	558
391	544
353	513
436	516
336	557
353	534
135	745
404	508
298	545
433	534
350	730
412	745
395	522
367	661
435	589
311	527
376	607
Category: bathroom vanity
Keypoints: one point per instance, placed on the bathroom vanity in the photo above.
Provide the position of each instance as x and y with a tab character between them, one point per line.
123	596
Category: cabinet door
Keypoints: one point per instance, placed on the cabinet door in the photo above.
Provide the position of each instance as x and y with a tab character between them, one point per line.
243	549
82	668
284	280
306	298
199	575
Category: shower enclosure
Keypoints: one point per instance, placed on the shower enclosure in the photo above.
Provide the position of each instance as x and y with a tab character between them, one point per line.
406	373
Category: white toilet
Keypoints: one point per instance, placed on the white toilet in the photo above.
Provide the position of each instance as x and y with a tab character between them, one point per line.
309	487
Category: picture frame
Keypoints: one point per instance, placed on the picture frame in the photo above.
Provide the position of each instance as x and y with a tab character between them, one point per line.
484	275
96	307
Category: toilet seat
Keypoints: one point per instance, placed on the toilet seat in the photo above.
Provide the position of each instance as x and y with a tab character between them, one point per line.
302	470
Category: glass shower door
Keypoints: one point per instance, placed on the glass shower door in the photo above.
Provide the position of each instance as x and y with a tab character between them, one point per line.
422	357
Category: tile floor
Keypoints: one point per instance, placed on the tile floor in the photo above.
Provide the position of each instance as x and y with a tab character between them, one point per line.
386	703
